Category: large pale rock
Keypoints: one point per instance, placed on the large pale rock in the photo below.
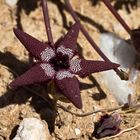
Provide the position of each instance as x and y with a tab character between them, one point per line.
119	51
32	129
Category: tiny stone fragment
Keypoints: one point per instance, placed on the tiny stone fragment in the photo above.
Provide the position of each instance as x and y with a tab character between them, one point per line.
32	129
11	3
77	131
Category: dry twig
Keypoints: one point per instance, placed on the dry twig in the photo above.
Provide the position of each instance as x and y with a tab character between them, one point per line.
89	113
125	130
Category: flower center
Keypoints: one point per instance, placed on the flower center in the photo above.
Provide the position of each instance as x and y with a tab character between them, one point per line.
60	61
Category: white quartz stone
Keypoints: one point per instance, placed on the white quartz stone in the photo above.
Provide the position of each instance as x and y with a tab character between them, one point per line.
119	51
77	131
32	129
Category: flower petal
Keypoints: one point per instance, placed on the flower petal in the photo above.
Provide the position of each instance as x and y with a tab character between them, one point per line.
38	73
69	86
108	125
68	44
37	48
135	37
85	67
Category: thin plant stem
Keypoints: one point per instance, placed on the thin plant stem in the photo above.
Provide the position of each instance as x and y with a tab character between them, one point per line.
118	17
135	106
47	21
89	113
121	74
125	130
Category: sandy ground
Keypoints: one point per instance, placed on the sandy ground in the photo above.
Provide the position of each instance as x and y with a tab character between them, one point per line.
19	104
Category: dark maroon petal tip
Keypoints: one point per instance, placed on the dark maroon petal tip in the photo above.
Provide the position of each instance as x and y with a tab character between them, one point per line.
70	39
34	46
70	88
34	75
135	38
89	66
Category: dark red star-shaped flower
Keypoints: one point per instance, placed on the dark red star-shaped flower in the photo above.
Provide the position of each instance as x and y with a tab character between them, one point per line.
58	63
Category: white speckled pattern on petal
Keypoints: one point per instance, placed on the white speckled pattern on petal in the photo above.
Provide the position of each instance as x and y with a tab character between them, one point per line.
48	69
75	65
47	54
63	74
66	51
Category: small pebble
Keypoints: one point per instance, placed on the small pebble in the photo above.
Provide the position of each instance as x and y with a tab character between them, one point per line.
32	129
90	91
77	131
11	3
